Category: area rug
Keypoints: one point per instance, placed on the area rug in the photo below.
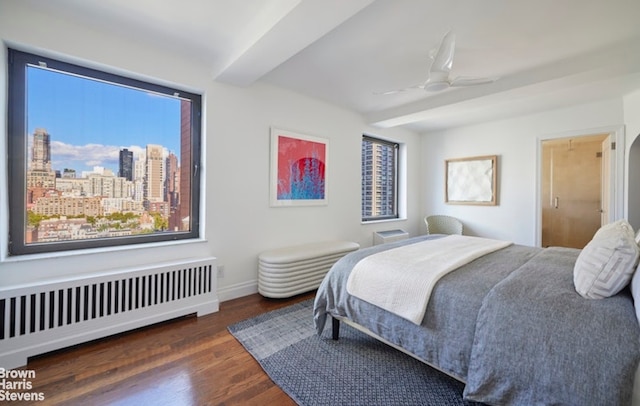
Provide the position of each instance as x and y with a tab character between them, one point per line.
355	370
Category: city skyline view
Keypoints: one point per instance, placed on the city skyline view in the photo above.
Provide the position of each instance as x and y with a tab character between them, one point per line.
103	159
90	121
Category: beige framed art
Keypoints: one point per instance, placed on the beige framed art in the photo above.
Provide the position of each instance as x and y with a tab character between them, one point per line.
471	180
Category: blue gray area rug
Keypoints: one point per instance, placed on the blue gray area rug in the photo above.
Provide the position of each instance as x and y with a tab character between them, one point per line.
355	370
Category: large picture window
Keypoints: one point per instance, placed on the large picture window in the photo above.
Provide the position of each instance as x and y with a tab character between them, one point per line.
379	179
97	159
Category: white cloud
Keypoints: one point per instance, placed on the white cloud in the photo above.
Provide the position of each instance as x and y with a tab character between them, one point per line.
80	157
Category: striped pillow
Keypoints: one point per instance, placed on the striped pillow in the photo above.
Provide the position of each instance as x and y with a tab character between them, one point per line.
605	266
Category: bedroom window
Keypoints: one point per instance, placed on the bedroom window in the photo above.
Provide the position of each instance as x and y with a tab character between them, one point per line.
379	179
98	159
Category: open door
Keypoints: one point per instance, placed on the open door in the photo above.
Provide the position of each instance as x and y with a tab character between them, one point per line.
573	186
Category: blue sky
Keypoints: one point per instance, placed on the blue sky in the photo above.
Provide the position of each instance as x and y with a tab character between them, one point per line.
90	121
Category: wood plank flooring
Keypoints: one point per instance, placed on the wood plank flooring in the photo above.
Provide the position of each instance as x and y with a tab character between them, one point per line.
187	361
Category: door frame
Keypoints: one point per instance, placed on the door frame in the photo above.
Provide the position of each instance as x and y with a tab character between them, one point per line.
616	178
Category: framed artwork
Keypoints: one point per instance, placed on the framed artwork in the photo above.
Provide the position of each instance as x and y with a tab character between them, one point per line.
298	169
472	180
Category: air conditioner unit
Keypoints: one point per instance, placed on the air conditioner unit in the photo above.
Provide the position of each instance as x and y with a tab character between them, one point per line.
382	237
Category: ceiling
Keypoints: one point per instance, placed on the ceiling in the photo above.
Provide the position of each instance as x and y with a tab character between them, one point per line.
546	53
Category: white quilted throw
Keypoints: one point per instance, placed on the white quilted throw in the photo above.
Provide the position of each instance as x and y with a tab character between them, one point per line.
400	280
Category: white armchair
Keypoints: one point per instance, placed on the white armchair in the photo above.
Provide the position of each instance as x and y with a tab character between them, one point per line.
441	224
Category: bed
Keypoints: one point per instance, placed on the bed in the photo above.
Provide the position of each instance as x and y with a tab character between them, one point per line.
510	324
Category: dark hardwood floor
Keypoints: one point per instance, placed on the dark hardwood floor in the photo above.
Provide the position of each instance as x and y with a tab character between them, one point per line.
187	361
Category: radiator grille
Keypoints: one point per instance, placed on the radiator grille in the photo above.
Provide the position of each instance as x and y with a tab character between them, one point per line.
53	307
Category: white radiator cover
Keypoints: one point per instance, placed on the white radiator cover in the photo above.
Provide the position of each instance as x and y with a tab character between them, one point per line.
383	237
39	318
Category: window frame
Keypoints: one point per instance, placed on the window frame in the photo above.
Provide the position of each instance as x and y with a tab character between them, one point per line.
17	135
395	171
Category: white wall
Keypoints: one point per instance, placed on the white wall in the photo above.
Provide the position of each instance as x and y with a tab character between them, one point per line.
238	222
242	223
515	141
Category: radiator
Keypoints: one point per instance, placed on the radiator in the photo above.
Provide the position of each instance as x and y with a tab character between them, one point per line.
288	271
40	318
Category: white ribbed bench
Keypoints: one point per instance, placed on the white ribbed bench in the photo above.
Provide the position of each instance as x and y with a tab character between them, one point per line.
286	272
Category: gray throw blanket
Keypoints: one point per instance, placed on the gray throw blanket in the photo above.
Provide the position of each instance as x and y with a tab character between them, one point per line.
538	342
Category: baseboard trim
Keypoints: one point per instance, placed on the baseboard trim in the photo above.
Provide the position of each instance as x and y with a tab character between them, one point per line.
237	290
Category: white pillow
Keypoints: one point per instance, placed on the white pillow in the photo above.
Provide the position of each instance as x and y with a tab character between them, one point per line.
605	266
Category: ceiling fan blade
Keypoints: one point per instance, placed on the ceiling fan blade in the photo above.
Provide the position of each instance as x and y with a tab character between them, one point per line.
443	58
471	81
396	91
440	69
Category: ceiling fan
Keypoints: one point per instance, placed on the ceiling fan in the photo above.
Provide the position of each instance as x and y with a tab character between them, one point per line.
442	61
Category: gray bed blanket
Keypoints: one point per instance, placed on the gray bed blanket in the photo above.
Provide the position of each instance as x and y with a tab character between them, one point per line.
538	342
469	328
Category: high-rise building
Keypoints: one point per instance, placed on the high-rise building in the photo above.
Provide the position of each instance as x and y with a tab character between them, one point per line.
154	174
184	207
172	181
125	169
41	151
39	174
378	183
139	164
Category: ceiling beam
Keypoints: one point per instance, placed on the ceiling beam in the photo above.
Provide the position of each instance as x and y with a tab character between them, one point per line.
289	33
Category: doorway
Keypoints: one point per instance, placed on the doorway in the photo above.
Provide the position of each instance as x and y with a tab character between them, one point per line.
575	185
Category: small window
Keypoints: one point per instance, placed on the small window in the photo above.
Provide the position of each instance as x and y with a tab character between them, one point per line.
379	179
97	159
